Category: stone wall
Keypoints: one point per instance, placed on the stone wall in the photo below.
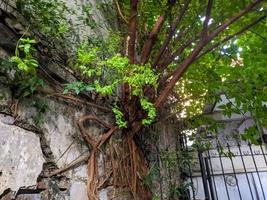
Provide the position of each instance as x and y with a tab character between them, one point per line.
35	142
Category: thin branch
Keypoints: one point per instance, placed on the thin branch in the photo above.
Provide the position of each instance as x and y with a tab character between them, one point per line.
214	46
91	141
171	33
150	42
222	27
92	169
74	163
147	48
191	58
178	52
178	74
206	21
119	11
168	60
73	99
259	35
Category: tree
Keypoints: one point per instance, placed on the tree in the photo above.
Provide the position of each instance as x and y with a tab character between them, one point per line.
161	40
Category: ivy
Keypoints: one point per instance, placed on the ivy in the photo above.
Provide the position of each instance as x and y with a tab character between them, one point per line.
25	66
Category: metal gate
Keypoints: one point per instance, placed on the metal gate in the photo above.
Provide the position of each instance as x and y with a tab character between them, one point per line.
230	173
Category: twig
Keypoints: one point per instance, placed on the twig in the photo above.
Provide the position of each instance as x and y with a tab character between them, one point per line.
74	99
119	12
214	46
65	151
75	162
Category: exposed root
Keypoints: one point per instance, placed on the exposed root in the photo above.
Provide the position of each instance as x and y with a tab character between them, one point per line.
74	163
96	144
128	166
73	99
14	108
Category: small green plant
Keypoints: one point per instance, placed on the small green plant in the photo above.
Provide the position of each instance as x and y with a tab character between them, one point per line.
87	16
116	71
78	87
179	191
155	197
25	62
119	117
252	135
25	66
28	85
169	159
150	109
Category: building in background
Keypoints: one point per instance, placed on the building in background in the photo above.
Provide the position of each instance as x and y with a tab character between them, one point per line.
230	168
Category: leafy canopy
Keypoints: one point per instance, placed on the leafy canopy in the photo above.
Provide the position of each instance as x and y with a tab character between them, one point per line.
168	37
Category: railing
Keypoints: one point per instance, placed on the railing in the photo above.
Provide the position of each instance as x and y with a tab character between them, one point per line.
234	172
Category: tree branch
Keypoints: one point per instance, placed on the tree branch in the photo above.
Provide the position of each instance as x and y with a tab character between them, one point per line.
150	42
178	52
132	27
119	11
147	48
178	74
171	33
206	21
191	58
76	162
214	46
222	27
73	99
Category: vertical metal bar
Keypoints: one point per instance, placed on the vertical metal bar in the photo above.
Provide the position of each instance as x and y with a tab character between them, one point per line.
209	179
220	157
246	173
263	154
189	167
204	176
256	170
255	186
232	163
213	177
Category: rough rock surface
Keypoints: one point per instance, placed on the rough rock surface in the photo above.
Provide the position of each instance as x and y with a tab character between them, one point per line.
21	158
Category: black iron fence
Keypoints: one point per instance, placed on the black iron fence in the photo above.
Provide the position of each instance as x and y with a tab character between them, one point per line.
231	172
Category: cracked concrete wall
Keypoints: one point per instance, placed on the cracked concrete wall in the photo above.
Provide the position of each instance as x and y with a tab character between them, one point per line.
21	158
35	143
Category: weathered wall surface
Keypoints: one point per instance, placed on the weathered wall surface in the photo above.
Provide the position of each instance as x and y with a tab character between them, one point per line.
33	143
21	158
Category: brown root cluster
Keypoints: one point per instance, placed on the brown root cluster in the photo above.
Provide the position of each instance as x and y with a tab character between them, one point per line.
128	167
